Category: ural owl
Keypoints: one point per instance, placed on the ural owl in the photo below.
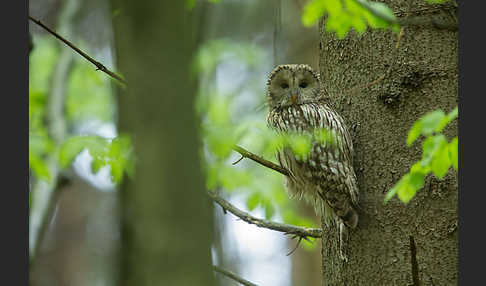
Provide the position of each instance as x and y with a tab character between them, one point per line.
325	177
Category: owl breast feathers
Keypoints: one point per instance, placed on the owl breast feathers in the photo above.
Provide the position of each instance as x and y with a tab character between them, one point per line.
325	177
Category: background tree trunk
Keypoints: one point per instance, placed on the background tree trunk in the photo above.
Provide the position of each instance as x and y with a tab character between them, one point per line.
166	217
394	244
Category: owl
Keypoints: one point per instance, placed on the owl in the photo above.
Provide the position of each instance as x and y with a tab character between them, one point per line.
325	177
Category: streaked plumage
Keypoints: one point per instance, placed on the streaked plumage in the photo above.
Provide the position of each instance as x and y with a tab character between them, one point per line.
326	177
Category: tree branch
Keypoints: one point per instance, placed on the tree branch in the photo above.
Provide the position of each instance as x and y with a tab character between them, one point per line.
261	161
99	66
298	231
233	276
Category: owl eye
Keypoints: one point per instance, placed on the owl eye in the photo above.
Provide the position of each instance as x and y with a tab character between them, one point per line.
284	85
303	84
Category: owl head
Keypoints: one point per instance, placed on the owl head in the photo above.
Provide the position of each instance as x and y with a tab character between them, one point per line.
293	84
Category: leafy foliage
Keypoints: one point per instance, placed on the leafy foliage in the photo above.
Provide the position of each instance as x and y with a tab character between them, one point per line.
88	94
344	15
40	144
88	97
438	155
227	122
116	153
190	3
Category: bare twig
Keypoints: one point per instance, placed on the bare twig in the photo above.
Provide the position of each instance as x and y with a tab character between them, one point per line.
237	161
233	276
99	66
296	246
261	161
298	231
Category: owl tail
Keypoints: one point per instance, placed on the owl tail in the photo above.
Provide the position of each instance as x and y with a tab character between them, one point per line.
342	240
342	207
350	218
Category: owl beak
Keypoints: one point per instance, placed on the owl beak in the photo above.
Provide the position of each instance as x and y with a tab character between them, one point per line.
293	97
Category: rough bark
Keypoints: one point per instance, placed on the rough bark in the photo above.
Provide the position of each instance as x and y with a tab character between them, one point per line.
394	243
166	215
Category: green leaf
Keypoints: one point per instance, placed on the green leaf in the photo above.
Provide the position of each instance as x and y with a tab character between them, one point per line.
253	201
313	11
98	163
441	161
405	190
429	148
392	192
269	210
416	180
418	168
452	115
414	132
120	158
324	135
97	146
432	122
300	145
39	167
116	153
40	145
348	14
453	152
447	119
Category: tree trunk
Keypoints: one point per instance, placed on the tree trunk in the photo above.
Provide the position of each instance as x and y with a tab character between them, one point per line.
394	243
166	217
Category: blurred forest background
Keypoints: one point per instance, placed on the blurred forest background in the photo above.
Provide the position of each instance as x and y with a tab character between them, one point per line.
82	210
242	42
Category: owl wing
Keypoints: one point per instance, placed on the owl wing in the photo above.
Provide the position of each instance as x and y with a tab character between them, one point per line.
330	162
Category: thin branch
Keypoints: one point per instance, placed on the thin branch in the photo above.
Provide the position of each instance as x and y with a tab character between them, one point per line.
233	276
237	161
261	161
296	246
99	66
298	231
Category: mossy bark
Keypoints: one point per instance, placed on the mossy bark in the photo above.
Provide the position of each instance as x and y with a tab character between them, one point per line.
394	243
